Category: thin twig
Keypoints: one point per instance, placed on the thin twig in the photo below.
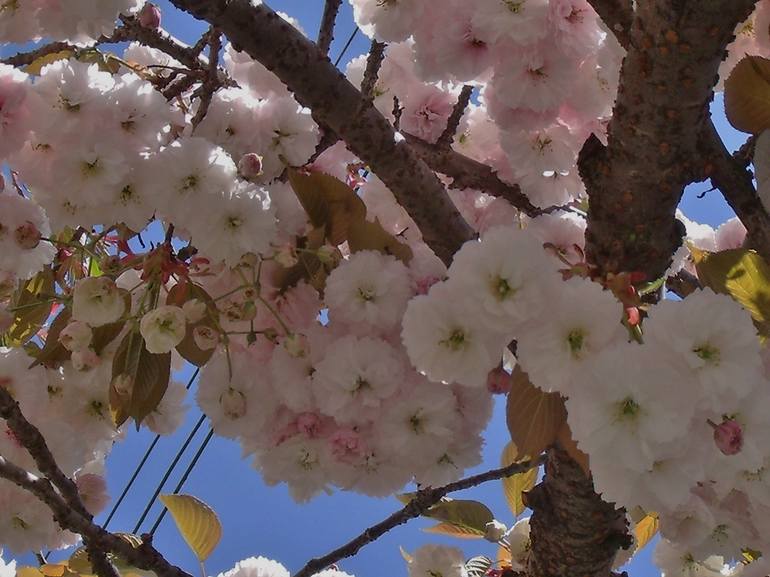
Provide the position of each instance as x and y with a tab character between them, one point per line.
448	136
326	31
373	63
422	501
211	83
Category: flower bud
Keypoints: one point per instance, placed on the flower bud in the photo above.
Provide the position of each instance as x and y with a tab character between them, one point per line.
123	385
27	236
295	345
494	531
76	336
205	338
149	16
728	436
194	310
286	257
499	381
233	404
250	165
85	359
325	254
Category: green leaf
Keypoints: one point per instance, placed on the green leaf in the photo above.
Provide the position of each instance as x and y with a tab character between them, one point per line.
742	274
478	566
469	515
329	203
32	304
454	531
139	379
196	521
179	294
517	484
365	235
747	95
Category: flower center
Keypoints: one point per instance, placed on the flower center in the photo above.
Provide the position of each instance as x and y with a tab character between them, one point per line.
455	341
708	353
576	340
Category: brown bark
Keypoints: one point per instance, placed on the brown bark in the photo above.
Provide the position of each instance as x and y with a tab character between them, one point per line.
336	103
574	533
675	48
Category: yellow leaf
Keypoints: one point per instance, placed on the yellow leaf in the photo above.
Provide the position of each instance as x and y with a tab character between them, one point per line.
747	95
36	65
564	436
503	556
196	521
461	532
645	530
28	572
533	417
515	485
407	557
365	235
742	274
328	202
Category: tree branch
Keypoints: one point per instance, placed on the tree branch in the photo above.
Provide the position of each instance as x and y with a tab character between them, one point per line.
735	181
373	63
448	136
317	84
573	531
66	506
326	31
28	435
211	83
468	173
618	15
634	184
422	501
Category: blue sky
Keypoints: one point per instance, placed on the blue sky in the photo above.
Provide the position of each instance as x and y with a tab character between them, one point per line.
260	520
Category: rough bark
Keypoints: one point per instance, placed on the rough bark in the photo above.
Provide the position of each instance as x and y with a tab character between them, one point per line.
675	48
317	84
574	533
732	177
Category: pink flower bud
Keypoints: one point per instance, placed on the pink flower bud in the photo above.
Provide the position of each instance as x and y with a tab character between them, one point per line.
233	404
149	16
250	165
27	236
499	381
728	436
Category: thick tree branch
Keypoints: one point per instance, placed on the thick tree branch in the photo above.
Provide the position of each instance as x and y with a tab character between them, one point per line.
468	173
735	181
317	84
618	15
66	506
573	531
422	501
675	48
326	31
31	439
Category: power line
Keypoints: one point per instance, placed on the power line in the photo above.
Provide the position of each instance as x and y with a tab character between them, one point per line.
182	481
167	474
347	45
141	464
